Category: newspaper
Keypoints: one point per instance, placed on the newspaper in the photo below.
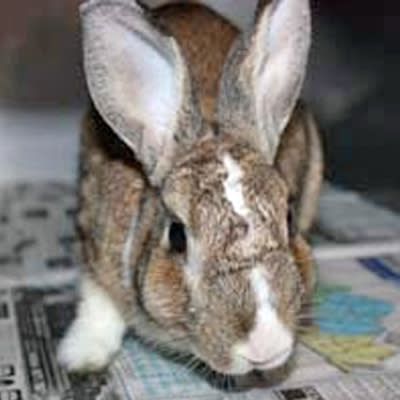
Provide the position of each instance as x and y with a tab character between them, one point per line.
351	350
37	234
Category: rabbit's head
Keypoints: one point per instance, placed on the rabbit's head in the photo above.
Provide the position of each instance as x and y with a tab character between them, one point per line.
222	276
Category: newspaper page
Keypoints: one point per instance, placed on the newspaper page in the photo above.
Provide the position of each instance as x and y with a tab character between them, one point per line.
350	351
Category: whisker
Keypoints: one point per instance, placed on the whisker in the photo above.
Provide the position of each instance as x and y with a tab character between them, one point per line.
164	346
196	366
230	383
309	315
225	382
193	364
304	329
204	371
312	302
303	259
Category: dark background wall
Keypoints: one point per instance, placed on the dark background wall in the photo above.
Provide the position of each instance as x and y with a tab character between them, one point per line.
352	83
39	53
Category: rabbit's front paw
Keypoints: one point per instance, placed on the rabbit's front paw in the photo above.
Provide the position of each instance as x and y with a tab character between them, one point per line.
80	351
96	334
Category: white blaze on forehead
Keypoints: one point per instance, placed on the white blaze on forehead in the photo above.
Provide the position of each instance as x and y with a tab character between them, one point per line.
269	343
233	186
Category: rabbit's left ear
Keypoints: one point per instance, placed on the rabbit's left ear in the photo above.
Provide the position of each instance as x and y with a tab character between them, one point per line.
264	75
138	81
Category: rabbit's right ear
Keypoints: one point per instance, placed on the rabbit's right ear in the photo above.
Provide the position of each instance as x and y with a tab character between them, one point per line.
138	82
264	74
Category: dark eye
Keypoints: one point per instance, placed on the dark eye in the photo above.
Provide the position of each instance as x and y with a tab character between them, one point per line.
291	219
177	237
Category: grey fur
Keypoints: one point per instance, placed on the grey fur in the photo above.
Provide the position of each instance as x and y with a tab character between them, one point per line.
260	117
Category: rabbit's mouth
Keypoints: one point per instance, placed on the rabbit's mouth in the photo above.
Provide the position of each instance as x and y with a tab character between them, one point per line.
240	365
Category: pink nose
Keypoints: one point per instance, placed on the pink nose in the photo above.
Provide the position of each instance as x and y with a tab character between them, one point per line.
266	347
275	359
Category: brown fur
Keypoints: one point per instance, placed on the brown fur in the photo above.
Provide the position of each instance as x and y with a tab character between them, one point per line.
165	295
299	160
204	40
208	313
166	283
302	254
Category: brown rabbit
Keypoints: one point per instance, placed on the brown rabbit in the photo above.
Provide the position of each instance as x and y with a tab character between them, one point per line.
189	168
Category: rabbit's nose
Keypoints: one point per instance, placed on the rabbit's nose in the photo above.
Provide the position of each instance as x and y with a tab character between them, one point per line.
267	347
269	342
273	359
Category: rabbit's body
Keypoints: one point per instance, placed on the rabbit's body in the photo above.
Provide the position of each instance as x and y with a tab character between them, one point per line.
204	39
136	277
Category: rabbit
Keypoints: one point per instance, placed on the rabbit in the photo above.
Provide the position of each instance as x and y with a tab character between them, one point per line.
199	180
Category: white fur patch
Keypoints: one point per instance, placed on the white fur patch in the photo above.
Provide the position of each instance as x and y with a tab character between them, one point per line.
96	333
127	251
269	343
233	187
194	262
194	254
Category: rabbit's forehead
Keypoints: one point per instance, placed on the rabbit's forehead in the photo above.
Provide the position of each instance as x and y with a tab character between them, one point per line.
238	185
221	176
230	199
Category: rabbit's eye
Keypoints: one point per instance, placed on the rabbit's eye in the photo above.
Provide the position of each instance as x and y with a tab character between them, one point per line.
177	237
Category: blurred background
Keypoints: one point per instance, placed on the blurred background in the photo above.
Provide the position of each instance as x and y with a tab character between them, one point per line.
351	85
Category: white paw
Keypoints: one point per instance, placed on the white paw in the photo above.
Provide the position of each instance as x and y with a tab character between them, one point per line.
96	334
80	352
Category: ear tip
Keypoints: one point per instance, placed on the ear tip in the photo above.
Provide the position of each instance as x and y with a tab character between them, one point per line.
88	5
300	6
